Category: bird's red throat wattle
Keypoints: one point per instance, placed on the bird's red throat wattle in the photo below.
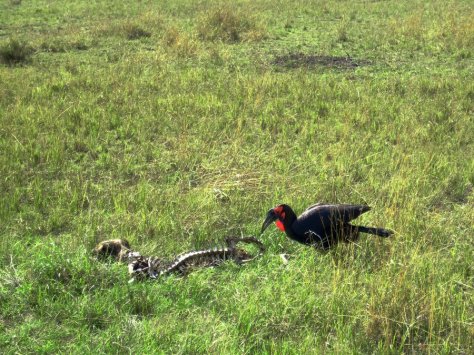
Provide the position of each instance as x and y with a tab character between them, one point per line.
281	213
280	225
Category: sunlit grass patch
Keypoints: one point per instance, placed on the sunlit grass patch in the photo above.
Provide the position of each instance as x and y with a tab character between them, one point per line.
178	139
453	30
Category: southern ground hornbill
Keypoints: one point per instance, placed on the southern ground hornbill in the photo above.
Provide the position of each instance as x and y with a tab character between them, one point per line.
321	225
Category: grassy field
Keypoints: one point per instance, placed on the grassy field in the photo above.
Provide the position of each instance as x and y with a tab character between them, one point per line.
176	123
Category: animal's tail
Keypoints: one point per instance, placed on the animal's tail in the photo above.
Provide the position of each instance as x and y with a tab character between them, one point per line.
381	232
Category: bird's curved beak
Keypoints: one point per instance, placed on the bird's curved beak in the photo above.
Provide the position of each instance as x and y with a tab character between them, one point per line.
271	217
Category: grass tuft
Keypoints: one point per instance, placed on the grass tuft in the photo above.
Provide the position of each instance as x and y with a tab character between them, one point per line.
134	31
15	52
128	30
181	43
228	24
342	32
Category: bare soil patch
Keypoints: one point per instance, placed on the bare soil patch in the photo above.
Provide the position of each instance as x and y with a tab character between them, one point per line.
301	60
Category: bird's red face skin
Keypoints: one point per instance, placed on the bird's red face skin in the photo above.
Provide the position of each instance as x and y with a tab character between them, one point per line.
281	216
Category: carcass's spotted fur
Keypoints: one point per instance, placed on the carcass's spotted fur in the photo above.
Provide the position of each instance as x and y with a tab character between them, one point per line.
141	266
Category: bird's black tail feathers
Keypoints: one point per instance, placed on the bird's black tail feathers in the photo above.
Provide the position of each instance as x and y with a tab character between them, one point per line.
381	232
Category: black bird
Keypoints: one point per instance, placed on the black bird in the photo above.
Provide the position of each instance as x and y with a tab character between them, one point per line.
321	225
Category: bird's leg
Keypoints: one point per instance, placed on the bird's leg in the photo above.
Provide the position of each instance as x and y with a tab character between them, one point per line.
316	240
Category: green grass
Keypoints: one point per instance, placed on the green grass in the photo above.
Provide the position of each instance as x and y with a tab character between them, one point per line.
131	119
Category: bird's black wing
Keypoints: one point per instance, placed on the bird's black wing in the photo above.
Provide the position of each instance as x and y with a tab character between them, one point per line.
342	212
313	206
